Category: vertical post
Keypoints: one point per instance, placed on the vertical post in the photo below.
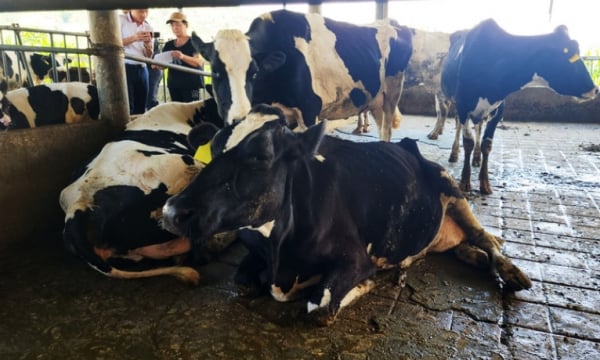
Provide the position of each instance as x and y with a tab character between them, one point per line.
105	34
381	11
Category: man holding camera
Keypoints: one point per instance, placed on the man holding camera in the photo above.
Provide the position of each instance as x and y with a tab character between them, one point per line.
136	34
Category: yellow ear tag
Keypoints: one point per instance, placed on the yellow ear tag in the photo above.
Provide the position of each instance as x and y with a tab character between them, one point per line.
574	58
203	153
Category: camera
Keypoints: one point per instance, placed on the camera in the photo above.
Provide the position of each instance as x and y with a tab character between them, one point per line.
156	35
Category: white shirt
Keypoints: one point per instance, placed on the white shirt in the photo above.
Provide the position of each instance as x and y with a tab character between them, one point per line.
129	28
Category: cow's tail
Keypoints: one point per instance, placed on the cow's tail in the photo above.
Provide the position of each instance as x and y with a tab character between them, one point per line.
78	237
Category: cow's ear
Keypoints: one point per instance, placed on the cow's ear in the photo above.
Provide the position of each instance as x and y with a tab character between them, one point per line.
273	61
207	50
311	138
201	134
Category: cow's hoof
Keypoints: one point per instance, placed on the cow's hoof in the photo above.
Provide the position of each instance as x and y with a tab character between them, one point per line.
465	186
321	317
476	162
433	136
187	275
365	129
485	188
513	278
453	158
357	131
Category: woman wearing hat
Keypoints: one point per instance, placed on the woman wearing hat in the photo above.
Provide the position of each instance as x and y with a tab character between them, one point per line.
183	86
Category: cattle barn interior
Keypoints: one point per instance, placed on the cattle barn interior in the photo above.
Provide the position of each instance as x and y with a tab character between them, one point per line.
40	162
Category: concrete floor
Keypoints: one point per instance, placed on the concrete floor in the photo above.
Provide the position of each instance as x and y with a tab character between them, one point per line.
546	204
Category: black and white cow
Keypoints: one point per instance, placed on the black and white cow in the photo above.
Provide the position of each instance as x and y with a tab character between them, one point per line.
487	64
113	208
316	66
325	233
49	104
37	65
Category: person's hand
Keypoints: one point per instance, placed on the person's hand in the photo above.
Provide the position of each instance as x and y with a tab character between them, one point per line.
144	36
177	54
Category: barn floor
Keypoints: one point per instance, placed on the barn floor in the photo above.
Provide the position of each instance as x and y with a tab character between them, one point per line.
546	204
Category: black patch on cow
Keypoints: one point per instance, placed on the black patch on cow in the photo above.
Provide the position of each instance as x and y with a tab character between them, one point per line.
18	120
188	160
7	65
49	106
41	64
170	142
358	97
149	153
78	106
123	220
358	47
93	106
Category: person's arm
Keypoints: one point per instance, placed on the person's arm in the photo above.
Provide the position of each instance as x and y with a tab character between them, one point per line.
195	61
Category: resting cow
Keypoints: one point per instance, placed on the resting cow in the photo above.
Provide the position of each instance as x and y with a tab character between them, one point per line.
303	191
50	104
315	66
113	209
487	64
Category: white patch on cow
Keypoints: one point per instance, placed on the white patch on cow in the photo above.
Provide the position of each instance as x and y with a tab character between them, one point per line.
460	50
325	300
369	248
251	123
358	291
265	229
483	109
19	99
280	296
319	157
122	163
234	51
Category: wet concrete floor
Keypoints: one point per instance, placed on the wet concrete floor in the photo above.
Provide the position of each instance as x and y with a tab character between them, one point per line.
546	205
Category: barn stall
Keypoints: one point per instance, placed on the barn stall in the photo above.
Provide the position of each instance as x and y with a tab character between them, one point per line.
545	204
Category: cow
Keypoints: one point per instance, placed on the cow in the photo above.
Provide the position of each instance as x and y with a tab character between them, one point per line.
113	207
325	233
322	68
16	67
424	69
49	104
487	64
73	73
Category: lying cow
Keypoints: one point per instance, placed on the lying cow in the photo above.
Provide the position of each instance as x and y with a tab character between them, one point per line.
303	191
487	64
113	209
49	104
337	69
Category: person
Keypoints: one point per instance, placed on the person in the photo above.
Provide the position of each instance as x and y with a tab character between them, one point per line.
183	86
155	75
136	34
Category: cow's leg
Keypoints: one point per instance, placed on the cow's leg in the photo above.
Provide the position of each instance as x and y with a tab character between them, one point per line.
441	110
475	235
391	115
340	287
477	150
360	123
456	143
465	177
252	276
366	124
486	149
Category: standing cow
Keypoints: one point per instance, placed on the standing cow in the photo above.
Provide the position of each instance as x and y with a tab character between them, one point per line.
113	208
304	193
49	104
312	65
487	64
15	67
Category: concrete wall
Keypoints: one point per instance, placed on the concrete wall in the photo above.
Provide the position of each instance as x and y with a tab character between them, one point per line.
37	164
529	104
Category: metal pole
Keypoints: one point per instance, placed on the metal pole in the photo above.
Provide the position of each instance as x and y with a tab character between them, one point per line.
105	35
381	11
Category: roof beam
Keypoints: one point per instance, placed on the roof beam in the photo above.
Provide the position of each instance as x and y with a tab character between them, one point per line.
38	5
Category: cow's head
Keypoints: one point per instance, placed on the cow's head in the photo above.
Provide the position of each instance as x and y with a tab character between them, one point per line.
246	184
234	69
42	64
561	66
5	120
